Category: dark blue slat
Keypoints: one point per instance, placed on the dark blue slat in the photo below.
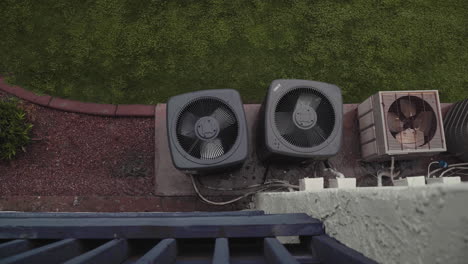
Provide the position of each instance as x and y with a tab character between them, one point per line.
276	253
329	250
14	247
235	260
56	252
164	252
127	215
241	260
114	251
307	259
193	261
251	260
191	227
221	251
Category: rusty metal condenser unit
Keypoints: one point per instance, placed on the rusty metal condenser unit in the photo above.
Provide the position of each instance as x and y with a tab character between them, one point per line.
401	124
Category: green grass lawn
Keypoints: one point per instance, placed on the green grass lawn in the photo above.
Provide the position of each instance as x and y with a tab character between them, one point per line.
146	51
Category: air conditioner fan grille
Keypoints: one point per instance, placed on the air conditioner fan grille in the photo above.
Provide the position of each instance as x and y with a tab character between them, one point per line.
207	128
304	117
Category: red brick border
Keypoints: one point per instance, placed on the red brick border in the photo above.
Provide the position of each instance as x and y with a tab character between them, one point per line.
123	110
87	108
135	110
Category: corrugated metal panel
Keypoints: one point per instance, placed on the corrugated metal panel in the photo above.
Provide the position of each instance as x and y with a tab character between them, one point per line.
456	130
368	135
366	121
365	107
369	150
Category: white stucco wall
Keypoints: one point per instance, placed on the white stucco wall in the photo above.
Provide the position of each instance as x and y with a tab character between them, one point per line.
389	224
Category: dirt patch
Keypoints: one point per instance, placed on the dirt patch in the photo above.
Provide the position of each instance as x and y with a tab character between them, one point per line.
132	165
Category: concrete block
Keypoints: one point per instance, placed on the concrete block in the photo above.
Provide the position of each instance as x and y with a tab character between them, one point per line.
311	184
411	181
444	180
343	183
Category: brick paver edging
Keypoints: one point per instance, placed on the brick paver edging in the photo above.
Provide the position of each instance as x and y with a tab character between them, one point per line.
77	106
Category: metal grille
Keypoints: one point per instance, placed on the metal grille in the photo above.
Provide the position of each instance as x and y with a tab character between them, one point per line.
224	237
225	128
323	120
422	101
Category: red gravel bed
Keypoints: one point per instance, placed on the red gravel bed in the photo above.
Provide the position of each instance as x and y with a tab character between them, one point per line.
78	154
109	204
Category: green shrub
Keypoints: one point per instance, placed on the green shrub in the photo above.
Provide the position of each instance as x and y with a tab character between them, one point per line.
14	129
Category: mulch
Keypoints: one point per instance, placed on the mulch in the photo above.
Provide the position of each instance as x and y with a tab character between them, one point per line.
78	154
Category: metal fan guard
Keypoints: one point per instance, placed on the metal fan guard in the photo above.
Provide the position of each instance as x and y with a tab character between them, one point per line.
203	107
421	105
325	115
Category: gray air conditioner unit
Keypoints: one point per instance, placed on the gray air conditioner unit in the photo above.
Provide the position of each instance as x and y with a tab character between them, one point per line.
300	120
207	131
401	124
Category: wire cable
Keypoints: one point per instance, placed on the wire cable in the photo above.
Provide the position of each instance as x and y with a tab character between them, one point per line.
449	166
429	167
451	169
264	183
392	168
382	173
459	172
265	174
206	200
268	183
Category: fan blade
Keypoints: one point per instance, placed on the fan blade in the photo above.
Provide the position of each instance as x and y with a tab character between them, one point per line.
224	118
313	138
187	125
407	108
394	123
308	100
211	149
410	137
194	146
423	122
319	131
284	122
297	136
